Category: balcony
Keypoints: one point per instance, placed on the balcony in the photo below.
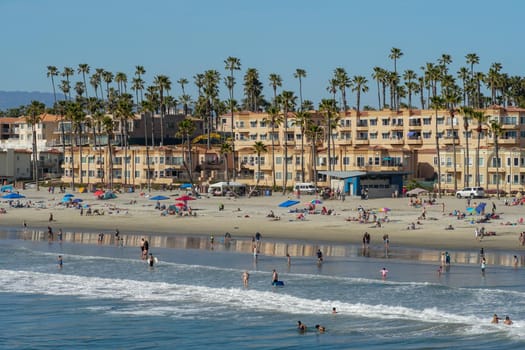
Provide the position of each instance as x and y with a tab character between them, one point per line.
449	140
397	127
415	141
362	141
396	141
509	126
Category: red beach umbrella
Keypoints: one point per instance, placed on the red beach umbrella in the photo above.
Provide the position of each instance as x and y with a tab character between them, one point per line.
185	198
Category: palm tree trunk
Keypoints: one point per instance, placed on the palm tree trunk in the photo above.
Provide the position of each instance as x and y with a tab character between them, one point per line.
438	157
496	146
72	157
477	155
80	155
302	154
35	158
273	156
285	162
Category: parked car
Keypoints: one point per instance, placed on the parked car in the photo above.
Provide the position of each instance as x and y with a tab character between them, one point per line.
471	192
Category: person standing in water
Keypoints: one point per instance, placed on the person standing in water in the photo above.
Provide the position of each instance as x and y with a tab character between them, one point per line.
60	262
384	272
151	260
245	278
275	276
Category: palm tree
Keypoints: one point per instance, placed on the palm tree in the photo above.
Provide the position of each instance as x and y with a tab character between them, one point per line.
211	93
149	105
451	99
343	82
359	85
275	81
226	148
52	72
481	118
137	84
77	117
410	76
259	148
463	74
472	59
467	115
163	83
378	76
34	117
496	130
96	110
186	130
300	74
124	113
84	69
108	126
315	133
327	107
68	72
395	54
108	78
121	79
437	103
287	100
274	119
302	119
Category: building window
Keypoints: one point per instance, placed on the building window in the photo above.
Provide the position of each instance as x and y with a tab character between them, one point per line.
278	160
137	173
385	135
346	160
137	160
360	161
278	175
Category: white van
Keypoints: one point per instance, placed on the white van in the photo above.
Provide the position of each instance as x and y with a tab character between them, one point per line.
304	188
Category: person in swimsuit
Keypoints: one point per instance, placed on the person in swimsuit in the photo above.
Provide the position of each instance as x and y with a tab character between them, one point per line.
275	276
495	319
320	328
384	272
151	260
301	326
319	256
60	261
245	278
507	321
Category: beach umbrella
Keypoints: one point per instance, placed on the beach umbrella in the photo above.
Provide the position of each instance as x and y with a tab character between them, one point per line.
159	198
185	186
77	200
69	195
185	198
13	196
384	210
288	203
180	205
98	193
316	201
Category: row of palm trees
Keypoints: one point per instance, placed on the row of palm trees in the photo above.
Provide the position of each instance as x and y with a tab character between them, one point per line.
435	80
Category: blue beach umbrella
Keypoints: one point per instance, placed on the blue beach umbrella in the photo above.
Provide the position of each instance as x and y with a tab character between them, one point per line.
77	200
69	195
13	196
159	198
288	203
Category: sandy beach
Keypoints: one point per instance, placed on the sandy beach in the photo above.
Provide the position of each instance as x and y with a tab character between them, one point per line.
243	217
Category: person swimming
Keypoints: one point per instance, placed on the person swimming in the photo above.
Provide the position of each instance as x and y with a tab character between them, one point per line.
320	328
495	319
507	321
301	326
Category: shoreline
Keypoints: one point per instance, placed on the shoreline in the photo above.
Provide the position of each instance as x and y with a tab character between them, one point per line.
132	213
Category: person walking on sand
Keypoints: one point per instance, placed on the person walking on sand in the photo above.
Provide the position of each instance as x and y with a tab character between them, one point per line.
245	278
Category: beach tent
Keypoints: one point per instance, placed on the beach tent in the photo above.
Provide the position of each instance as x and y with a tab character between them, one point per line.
7	188
416	192
13	196
223	186
288	203
109	195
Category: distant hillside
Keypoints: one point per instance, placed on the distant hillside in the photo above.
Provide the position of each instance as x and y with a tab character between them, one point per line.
13	99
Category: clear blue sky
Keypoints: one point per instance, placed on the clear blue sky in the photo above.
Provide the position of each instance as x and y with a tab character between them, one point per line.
182	38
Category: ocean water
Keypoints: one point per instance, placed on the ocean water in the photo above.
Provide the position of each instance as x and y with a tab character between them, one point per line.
105	297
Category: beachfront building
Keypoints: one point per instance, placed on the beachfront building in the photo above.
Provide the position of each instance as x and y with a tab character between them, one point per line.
386	141
14	165
378	147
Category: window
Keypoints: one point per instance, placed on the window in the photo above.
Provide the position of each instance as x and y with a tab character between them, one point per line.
297	160
385	121
261	159
427	121
360	161
373	136
346	160
373	122
278	160
161	160
278	175
385	135
262	137
253	124
496	162
427	135
253	137
259	175
91	173
137	160
137	173
481	162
